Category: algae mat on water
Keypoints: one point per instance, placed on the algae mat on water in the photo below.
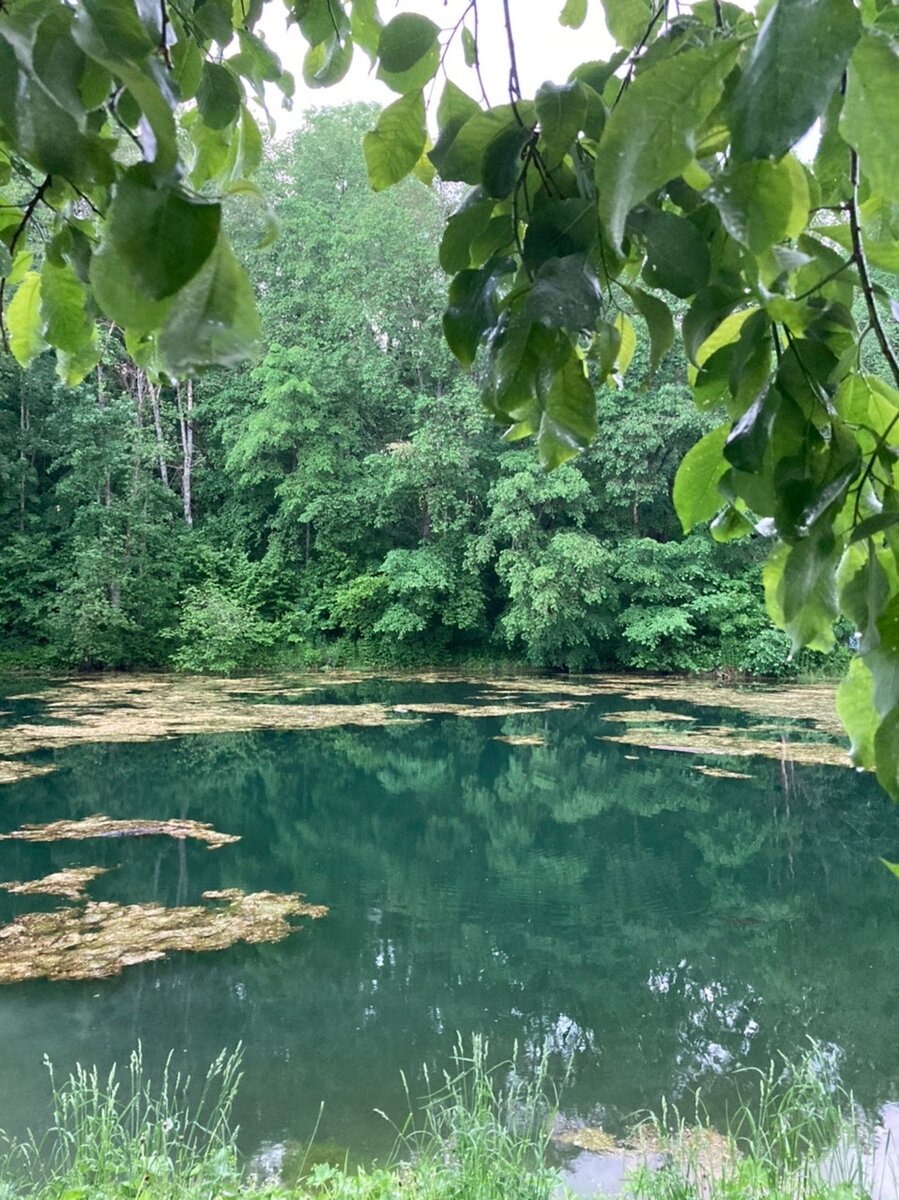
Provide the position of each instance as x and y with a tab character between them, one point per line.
99	940
70	883
105	827
146	708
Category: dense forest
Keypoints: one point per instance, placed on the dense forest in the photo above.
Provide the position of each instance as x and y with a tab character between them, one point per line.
347	500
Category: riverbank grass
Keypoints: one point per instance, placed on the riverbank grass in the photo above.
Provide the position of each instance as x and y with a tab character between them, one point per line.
483	1133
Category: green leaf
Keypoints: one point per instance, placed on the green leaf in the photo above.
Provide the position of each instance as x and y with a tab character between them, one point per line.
710	307
627	342
568	420
886	752
800	589
564	295
320	19
460	149
696	496
405	40
467	222
469	47
559	228
562	113
650	135
213	320
162	235
678	258
874	525
471	311
574	14
327	63
72	369
408	52
793	70
502	163
659	322
64	309
366	26
870	114
397	142
24	321
762	202
627	20
219	96
117	295
855	708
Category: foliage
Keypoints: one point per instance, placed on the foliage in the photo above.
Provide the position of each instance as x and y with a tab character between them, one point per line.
671	176
216	632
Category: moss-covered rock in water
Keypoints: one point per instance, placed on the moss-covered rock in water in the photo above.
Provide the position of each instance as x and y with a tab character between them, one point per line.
101	939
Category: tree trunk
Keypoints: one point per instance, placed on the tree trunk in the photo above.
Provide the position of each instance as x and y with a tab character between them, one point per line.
160	440
185	420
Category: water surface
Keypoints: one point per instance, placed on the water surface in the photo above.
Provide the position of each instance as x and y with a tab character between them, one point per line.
650	928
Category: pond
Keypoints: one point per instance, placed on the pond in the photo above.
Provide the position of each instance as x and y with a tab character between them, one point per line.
650	926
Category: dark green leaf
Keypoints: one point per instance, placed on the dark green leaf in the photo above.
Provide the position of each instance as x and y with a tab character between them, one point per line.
562	113
871	111
649	137
707	311
568	420
886	752
213	320
659	322
793	70
874	525
502	163
565	295
469	220
460	149
162	235
762	202
405	40
677	253
558	229
471	311
219	96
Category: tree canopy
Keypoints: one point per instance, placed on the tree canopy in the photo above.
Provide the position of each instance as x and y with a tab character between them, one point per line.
678	180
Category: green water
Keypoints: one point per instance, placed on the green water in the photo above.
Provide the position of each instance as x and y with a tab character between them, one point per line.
650	928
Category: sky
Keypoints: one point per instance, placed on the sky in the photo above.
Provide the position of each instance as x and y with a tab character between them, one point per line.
544	50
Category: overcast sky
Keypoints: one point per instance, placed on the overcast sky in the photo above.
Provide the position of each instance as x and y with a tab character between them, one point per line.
544	50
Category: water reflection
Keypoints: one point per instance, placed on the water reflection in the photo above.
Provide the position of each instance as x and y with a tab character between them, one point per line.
651	929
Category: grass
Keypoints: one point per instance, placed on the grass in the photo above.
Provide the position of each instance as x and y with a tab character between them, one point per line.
482	1134
797	1135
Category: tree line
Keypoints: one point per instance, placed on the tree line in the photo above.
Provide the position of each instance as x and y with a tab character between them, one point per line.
347	499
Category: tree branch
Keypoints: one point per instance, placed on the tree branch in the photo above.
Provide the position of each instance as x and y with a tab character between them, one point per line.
858	253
